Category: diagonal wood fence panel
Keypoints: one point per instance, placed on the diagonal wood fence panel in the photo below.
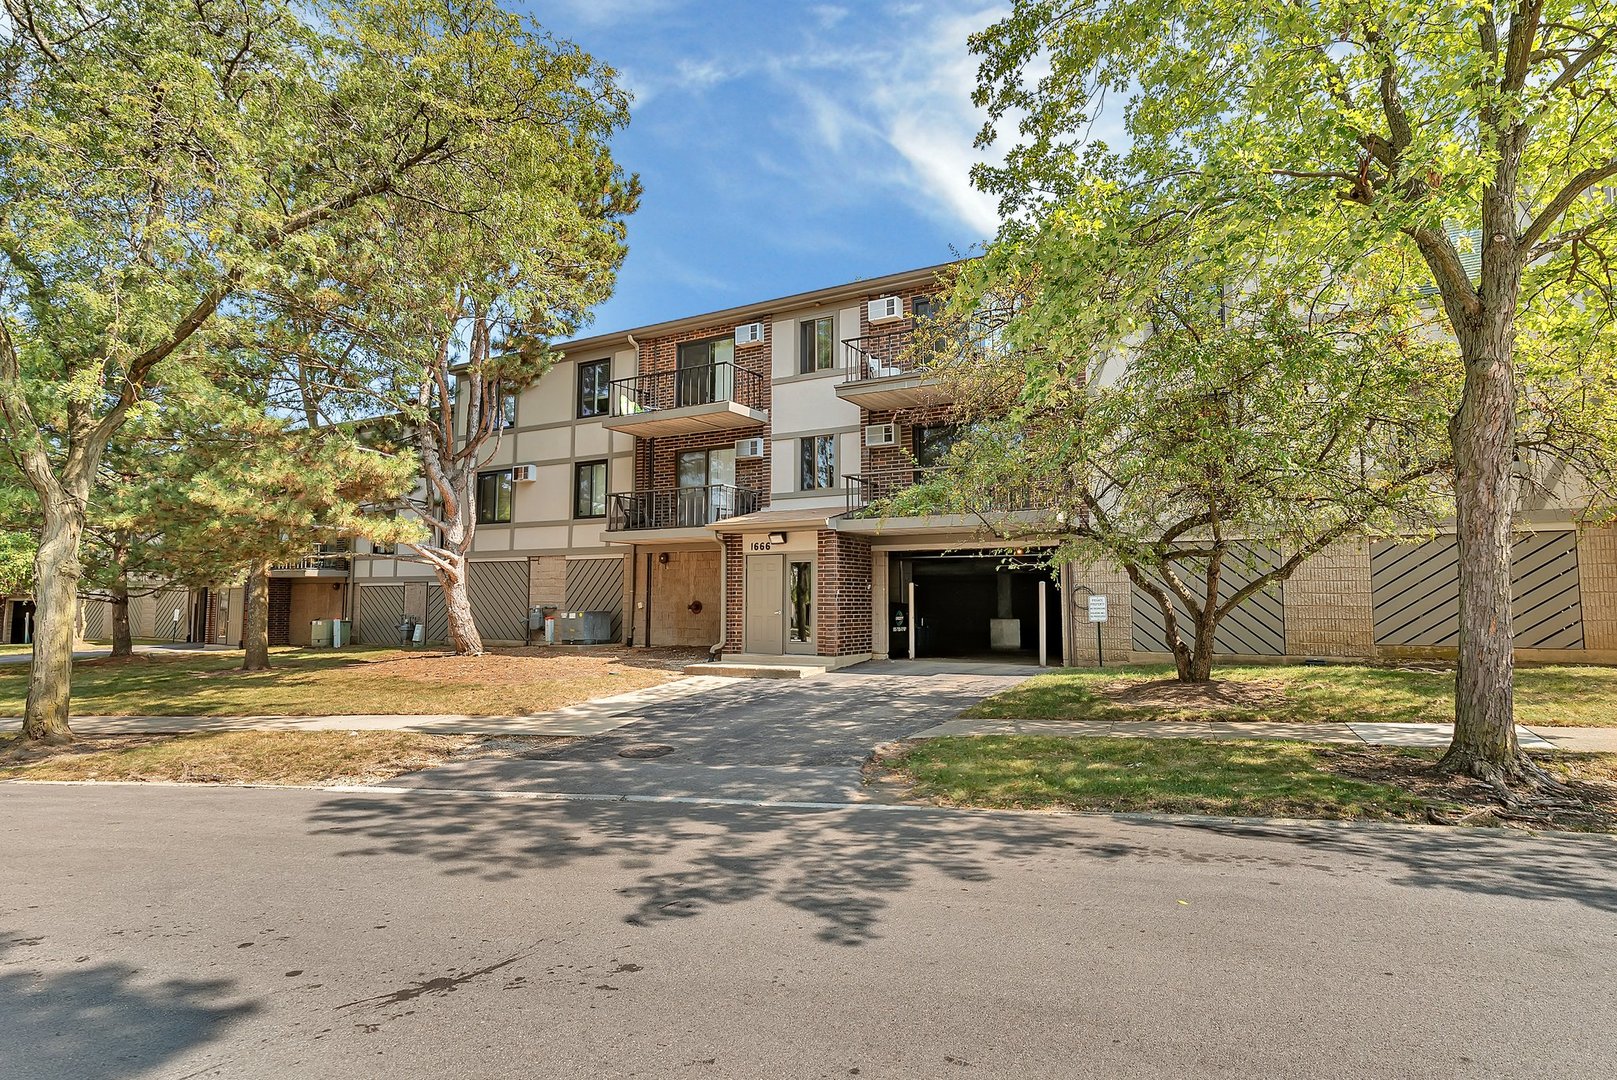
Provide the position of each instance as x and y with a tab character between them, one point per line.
498	590
1255	628
1415	591
597	585
380	607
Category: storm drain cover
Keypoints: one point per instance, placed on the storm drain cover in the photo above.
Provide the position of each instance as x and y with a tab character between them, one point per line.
645	750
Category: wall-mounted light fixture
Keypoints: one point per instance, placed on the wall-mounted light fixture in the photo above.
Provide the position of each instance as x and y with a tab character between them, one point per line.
777	538
662	557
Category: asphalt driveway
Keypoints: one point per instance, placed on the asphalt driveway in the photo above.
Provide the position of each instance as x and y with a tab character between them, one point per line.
773	740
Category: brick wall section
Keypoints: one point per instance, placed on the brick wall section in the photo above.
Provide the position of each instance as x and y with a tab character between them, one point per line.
735	616
875	458
1329	611
1117	632
844	603
547	581
657	460
1597	578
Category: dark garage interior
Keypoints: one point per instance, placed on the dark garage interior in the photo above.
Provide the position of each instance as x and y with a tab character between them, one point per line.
961	597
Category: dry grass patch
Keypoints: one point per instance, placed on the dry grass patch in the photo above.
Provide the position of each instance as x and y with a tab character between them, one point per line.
347	682
249	757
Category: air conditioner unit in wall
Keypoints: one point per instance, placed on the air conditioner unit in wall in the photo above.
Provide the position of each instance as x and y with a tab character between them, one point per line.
749	449
887	309
525	474
881	434
749	334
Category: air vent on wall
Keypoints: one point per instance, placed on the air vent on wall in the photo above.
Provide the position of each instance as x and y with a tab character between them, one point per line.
885	310
881	434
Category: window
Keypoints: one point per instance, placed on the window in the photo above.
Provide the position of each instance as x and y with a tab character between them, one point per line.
594	388
933	443
589	489
818	462
815	344
508	409
704	371
494	497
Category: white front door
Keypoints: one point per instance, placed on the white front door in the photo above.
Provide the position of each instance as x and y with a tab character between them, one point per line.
765	590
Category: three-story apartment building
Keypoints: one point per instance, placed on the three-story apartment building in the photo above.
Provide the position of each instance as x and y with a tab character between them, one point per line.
702	481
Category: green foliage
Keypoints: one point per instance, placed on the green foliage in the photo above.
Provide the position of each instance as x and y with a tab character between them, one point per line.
1456	151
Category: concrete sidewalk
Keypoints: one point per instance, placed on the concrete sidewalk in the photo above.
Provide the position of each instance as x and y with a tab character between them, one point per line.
1593	740
584	719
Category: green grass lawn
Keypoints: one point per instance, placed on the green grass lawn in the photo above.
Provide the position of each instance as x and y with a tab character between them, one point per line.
311	682
1240	778
1551	696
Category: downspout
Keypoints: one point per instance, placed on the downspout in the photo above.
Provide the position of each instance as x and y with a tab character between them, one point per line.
717	650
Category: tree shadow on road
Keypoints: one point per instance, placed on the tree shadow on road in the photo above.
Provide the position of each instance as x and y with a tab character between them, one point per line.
842	869
103	1019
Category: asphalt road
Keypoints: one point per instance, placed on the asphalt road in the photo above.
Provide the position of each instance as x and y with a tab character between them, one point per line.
172	932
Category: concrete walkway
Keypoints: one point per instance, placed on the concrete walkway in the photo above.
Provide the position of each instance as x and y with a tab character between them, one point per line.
91	654
1597	740
588	718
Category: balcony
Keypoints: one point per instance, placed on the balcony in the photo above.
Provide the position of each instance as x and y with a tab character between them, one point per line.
879	485
321	564
678	508
883	371
704	397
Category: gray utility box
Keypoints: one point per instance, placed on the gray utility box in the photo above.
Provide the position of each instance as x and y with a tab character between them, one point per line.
584	627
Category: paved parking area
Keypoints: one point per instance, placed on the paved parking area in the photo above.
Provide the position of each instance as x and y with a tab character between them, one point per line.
787	740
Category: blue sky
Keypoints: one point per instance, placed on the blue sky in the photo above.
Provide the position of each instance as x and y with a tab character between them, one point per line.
785	146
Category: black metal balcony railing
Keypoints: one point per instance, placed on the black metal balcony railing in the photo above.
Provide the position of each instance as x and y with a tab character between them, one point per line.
678	508
882	355
882	484
700	384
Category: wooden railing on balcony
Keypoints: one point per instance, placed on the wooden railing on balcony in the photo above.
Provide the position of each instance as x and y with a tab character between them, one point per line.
700	384
678	508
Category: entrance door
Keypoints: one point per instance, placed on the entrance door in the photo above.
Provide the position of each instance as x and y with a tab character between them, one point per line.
765	591
800	606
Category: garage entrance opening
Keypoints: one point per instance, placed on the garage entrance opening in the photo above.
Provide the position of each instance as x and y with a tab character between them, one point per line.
977	605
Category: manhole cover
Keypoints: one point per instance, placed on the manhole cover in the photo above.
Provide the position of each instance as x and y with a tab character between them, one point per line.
645	750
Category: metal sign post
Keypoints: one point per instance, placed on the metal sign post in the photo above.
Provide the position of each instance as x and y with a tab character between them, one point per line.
1097	615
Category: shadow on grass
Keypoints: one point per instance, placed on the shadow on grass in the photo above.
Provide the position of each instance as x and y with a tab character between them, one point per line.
843	869
104	1019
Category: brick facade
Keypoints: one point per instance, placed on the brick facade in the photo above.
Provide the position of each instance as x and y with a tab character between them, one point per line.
844	618
735	615
1117	632
1597	576
1329	611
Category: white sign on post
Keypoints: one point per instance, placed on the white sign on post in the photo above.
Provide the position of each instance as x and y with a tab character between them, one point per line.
1097	608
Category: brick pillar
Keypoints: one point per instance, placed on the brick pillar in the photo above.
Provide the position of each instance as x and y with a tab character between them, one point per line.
1597	581
1329	611
1117	632
735	615
844	605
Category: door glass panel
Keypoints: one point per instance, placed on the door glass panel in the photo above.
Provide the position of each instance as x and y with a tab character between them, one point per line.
800	592
692	497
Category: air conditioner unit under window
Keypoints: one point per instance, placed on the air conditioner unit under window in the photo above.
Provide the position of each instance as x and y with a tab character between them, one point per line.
887	309
881	434
749	449
749	334
525	474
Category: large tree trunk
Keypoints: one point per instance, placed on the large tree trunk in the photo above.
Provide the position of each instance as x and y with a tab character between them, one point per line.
56	594
255	620
1483	433
463	635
